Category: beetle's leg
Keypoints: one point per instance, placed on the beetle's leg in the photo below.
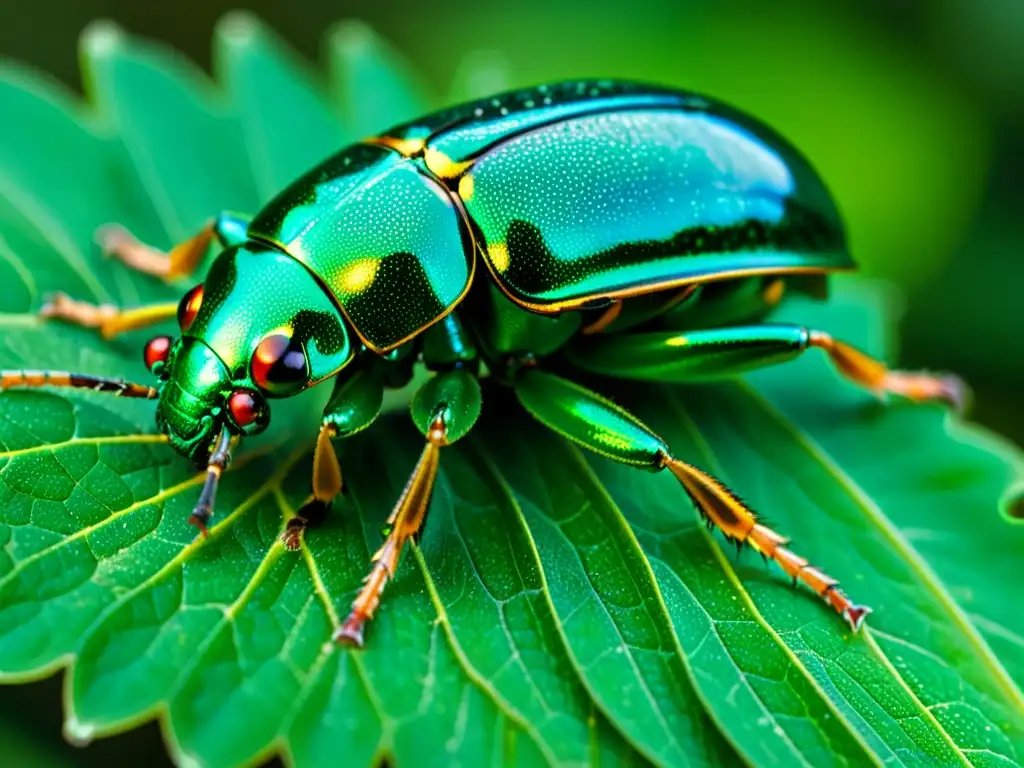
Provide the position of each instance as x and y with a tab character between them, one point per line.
603	427
108	319
403	524
444	409
327	484
875	376
30	379
355	403
182	259
718	353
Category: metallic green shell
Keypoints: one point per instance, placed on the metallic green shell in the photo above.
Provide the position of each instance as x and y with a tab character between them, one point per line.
255	290
584	191
384	237
575	193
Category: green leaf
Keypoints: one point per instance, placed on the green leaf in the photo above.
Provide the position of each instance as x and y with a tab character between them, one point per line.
559	609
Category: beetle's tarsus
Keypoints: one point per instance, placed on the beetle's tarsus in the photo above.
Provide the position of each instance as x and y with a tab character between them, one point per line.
855	615
293	530
737	522
924	387
875	376
350	634
199	519
117	242
60	306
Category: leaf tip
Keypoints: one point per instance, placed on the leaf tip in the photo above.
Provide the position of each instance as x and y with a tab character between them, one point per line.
101	38
239	27
77	733
353	36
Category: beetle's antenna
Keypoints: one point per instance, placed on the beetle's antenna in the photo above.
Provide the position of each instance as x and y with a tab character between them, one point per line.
117	387
219	460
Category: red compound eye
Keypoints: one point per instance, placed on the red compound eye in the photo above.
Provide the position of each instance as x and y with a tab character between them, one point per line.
246	407
279	365
156	351
189	307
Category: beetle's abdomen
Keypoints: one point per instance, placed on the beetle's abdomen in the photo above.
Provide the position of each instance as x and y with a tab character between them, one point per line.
384	237
626	202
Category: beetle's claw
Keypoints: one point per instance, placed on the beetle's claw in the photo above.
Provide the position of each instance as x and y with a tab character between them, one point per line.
350	634
855	615
199	520
110	236
292	536
925	387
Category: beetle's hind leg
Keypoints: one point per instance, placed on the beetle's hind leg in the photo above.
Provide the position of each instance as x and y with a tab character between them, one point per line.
875	376
720	353
182	259
603	427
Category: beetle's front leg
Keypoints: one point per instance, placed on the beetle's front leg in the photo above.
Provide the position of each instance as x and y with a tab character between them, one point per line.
228	228
108	319
717	353
354	404
444	409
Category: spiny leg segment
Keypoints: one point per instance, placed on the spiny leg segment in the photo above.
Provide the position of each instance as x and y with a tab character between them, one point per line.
721	508
405	522
598	424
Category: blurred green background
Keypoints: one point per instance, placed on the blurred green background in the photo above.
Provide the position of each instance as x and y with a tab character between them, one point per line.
913	110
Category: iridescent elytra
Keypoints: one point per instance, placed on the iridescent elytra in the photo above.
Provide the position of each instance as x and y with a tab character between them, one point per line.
612	228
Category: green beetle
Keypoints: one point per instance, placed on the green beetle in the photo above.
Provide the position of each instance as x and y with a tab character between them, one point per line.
613	228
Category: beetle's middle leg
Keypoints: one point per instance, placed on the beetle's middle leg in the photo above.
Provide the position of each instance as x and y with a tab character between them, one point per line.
444	409
228	228
717	353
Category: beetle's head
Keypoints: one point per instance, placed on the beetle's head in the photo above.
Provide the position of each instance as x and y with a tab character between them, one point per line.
199	396
259	328
198	399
